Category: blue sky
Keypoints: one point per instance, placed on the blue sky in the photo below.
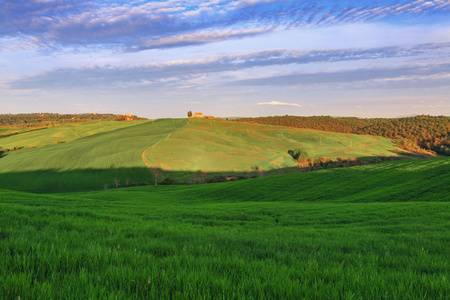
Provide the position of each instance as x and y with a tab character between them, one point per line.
385	58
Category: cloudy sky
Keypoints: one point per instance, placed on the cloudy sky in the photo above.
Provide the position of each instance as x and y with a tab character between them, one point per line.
380	58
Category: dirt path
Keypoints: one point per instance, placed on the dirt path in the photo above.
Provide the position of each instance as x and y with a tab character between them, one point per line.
146	161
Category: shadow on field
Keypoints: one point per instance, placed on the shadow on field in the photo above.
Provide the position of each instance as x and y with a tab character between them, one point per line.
56	181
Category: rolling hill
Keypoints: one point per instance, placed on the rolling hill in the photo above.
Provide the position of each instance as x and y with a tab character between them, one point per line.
111	154
28	137
365	232
85	163
217	146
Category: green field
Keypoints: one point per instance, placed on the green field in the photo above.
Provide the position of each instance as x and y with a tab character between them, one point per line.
87	163
58	134
366	232
216	145
96	156
13	130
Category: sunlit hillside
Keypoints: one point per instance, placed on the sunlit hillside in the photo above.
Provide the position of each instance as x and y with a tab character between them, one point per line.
216	145
120	154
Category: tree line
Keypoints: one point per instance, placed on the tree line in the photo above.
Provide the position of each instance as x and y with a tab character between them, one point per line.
39	119
420	134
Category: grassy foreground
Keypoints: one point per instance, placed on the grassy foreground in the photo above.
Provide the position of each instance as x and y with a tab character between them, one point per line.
372	232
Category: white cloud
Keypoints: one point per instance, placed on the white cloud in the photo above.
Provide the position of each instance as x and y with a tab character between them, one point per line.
176	70
198	38
276	103
76	23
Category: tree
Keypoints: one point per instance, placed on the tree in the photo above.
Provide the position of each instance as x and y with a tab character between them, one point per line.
189	114
298	155
116	181
156	174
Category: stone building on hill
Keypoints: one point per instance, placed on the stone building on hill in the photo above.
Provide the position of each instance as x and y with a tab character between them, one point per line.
201	116
197	115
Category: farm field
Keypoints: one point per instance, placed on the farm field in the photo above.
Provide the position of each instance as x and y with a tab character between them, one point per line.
224	150
365	232
217	145
12	130
86	163
60	133
119	154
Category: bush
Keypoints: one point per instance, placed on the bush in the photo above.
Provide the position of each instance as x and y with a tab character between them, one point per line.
167	181
218	178
298	155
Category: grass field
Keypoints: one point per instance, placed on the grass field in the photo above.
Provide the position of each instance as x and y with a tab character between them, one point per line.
6	131
86	163
103	155
368	232
60	133
217	145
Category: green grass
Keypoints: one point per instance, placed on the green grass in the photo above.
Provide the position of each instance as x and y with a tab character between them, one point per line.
367	232
216	146
8	130
86	163
371	232
60	133
98	155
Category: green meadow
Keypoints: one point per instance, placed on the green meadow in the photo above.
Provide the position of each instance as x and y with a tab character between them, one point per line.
86	163
217	145
366	232
105	155
6	131
29	137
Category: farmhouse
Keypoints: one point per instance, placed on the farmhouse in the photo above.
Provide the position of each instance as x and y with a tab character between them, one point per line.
129	117
200	115
197	115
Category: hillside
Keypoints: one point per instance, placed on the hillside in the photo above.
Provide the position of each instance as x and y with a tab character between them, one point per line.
419	134
111	154
30	137
6	131
217	146
395	181
86	163
362	232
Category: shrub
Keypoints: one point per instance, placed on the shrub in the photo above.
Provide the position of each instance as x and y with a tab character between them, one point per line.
298	155
167	181
218	178
447	151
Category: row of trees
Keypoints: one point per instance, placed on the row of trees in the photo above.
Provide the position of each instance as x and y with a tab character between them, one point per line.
39	119
417	134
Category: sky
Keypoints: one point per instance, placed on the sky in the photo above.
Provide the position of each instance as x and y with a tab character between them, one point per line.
227	58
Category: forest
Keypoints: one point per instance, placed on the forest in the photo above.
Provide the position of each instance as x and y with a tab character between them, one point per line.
420	134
